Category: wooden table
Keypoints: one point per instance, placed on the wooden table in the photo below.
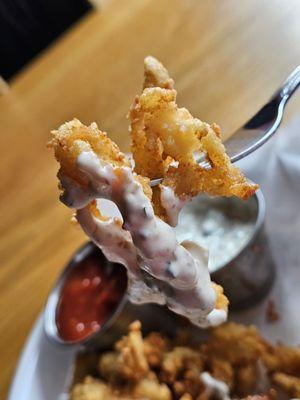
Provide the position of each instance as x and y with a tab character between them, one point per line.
226	57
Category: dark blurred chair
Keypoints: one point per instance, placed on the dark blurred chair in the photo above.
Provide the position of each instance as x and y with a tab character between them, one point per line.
28	26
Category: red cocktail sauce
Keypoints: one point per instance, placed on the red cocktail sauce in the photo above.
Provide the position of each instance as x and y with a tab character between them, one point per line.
91	293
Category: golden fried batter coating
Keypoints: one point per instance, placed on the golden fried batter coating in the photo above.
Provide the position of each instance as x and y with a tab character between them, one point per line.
156	75
283	358
222	302
128	362
131	348
186	396
163	134
155	121
238	344
288	383
181	369
155	345
73	137
178	360
91	389
232	355
221	369
246	379
151	389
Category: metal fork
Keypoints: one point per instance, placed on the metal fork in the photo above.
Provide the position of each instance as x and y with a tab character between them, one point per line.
262	126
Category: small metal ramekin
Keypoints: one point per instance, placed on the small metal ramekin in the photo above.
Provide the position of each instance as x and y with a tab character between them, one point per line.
50	325
151	316
249	274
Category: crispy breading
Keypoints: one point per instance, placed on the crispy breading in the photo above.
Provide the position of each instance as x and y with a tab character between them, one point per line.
181	368
151	389
131	347
283	358
128	362
178	360
163	133
246	378
231	354
90	389
156	75
73	137
222	302
111	367
186	396
238	344
155	345
156	139
288	383
221	369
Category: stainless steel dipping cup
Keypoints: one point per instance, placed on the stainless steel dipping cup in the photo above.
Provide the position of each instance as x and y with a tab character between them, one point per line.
248	275
152	317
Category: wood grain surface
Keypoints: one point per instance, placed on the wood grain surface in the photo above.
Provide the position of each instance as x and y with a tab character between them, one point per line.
226	56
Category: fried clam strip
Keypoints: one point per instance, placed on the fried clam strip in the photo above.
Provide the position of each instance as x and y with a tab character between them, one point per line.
165	139
142	241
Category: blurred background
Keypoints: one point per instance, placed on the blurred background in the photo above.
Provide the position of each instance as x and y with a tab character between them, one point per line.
27	27
226	52
61	59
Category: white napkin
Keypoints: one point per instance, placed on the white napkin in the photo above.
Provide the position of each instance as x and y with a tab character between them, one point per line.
276	168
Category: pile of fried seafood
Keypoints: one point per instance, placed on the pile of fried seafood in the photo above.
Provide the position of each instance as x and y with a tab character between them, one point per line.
159	368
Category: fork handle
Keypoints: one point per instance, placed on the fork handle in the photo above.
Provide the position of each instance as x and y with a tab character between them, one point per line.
290	85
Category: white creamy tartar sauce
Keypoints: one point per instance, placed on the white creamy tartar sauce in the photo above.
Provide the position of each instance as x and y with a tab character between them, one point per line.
214	386
221	225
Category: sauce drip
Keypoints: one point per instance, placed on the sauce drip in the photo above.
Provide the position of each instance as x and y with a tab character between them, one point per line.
142	242
91	293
